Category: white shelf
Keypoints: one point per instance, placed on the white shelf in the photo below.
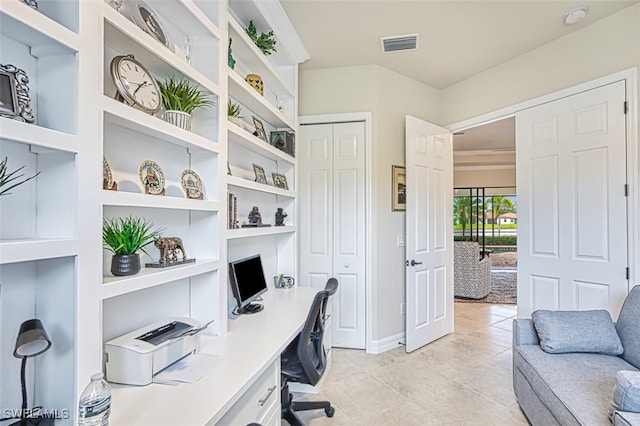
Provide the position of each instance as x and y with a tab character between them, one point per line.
258	232
243	47
136	120
247	96
125	37
255	186
13	251
188	11
241	137
35	29
131	199
152	277
33	134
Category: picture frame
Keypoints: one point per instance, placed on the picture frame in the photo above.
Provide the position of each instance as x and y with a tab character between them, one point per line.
31	3
141	14
279	180
15	102
398	188
261	176
260	133
284	141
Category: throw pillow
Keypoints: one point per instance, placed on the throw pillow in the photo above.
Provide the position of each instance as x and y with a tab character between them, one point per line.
626	394
627	327
577	331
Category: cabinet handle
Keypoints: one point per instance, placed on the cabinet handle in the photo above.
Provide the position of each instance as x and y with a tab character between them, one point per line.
266	398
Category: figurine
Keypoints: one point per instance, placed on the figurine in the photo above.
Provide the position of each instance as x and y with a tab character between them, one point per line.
168	248
280	215
255	217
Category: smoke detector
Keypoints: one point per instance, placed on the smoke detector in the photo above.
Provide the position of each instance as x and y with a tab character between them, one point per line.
575	15
399	43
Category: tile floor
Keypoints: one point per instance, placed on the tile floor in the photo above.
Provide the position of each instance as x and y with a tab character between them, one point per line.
461	379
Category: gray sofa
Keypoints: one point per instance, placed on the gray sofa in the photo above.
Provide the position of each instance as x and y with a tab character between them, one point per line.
574	388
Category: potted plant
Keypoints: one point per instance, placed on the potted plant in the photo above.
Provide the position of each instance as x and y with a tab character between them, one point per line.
265	41
6	177
124	237
233	112
181	97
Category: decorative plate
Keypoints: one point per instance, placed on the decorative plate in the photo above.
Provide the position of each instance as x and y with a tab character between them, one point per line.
151	177
107	176
145	17
191	183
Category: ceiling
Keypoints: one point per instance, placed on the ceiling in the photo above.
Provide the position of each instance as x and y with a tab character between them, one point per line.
457	39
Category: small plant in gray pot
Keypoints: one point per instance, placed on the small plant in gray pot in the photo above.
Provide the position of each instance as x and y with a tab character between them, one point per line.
125	237
181	97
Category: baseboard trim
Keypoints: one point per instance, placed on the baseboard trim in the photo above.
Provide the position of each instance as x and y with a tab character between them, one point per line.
386	344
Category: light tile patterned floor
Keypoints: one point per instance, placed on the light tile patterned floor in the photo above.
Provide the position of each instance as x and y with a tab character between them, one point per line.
462	379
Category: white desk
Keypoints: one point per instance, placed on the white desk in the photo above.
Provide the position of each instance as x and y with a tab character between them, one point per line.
253	343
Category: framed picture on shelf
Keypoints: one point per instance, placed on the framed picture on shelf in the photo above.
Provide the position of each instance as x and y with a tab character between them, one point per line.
398	189
284	141
15	102
279	180
259	129
261	176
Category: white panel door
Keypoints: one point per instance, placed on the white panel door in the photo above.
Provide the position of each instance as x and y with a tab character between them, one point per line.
429	223
572	208
332	230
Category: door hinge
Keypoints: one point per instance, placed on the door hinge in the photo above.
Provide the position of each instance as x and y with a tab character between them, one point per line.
626	107
627	272
626	189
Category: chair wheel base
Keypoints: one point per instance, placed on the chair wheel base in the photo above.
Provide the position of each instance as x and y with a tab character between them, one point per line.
329	411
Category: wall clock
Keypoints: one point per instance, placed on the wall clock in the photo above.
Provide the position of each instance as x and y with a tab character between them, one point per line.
135	85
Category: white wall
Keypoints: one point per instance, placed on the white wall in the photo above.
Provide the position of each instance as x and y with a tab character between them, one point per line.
389	96
605	47
484	178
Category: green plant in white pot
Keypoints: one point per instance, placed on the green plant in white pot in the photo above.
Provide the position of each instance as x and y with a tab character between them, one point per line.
125	237
181	97
233	112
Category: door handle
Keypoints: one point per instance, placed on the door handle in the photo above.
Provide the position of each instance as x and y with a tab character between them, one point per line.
414	263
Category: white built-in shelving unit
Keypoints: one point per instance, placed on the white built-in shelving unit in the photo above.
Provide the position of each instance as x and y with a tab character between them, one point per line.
52	263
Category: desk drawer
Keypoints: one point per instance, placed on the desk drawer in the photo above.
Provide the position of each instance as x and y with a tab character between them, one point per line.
257	400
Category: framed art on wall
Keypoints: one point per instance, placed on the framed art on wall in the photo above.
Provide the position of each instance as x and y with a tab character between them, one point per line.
398	189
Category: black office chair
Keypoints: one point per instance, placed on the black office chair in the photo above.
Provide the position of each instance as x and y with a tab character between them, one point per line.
305	360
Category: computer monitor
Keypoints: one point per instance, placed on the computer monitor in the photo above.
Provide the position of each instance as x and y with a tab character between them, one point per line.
247	284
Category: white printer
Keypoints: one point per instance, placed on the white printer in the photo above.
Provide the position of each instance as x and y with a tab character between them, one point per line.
134	358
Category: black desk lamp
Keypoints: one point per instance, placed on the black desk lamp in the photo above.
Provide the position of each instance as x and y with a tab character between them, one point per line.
32	341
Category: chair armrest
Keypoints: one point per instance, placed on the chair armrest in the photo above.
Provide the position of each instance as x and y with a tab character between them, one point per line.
524	333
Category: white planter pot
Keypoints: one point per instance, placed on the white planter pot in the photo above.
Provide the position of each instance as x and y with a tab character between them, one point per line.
178	118
235	120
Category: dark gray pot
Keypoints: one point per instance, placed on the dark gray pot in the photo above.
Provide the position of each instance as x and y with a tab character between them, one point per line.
125	264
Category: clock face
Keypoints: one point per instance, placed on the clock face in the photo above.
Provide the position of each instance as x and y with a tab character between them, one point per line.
139	85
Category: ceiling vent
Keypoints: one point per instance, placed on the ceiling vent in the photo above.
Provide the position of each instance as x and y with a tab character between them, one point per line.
399	43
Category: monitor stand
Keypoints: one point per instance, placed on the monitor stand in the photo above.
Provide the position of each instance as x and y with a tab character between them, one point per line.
251	308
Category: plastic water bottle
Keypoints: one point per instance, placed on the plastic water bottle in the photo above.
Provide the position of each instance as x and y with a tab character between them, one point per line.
95	403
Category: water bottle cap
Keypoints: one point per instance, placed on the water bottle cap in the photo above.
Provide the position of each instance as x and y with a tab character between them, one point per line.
97	376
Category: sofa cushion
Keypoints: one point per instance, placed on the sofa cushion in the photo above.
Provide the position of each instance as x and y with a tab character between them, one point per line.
577	331
575	387
626	395
627	327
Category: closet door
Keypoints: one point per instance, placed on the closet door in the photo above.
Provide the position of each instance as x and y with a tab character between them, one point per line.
332	229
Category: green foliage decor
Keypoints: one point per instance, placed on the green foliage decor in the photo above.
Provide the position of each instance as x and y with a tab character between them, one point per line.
264	41
498	240
233	109
128	235
182	95
6	177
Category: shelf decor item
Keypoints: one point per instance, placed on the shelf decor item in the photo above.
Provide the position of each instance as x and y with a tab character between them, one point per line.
191	184
255	219
6	177
260	129
265	41
145	18
31	3
233	113
261	177
125	237
280	215
107	177
169	248
181	97
134	84
230	61
279	180
152	178
256	82
15	102
284	141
